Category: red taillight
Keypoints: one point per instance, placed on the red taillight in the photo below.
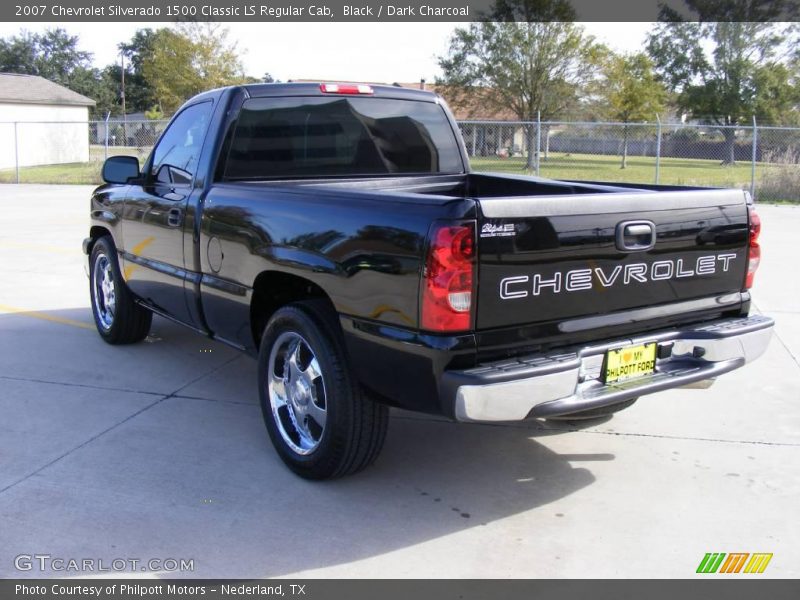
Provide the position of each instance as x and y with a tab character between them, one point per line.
754	249
447	284
345	88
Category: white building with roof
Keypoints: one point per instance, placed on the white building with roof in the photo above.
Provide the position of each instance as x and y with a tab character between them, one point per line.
41	122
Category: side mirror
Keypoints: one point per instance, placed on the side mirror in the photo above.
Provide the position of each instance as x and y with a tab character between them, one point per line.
118	169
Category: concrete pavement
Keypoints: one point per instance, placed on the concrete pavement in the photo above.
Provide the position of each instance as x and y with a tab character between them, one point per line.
158	451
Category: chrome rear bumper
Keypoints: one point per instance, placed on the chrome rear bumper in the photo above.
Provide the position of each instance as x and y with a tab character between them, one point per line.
564	383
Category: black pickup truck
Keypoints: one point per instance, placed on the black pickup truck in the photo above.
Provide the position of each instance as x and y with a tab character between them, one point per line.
337	233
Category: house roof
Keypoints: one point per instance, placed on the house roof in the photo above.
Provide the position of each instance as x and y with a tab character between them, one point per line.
32	89
476	108
130	117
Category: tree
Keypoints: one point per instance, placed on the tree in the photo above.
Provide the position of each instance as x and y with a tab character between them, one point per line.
726	72
181	62
98	86
778	94
55	55
168	69
18	54
631	93
536	67
154	113
139	93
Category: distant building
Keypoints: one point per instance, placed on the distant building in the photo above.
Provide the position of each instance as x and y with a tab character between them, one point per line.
52	122
490	136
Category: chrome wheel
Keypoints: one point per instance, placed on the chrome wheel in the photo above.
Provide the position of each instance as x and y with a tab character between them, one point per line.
105	297
297	393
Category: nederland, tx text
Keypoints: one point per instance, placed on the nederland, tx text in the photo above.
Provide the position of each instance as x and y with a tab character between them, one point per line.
150	590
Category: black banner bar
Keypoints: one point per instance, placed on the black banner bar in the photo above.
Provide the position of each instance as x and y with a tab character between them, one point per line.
396	10
484	589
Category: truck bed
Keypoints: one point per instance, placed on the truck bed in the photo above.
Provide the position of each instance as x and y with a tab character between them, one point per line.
469	185
550	265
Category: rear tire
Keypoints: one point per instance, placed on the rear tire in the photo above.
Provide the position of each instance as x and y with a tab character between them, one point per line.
117	316
320	421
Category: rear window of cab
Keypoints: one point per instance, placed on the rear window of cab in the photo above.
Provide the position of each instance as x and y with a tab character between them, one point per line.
285	138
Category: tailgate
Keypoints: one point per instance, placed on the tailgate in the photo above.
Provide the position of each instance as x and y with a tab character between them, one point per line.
552	258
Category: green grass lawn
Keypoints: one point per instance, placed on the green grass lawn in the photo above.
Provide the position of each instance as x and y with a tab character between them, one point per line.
585	167
99	152
676	171
73	173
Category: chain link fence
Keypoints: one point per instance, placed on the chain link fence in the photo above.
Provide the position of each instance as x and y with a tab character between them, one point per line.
763	160
70	152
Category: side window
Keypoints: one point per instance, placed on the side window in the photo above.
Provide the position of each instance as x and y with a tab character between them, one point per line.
175	157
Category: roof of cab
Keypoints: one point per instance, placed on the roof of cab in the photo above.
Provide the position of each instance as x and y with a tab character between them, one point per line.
260	90
276	90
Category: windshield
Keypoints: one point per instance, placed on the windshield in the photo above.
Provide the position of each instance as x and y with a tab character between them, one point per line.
336	136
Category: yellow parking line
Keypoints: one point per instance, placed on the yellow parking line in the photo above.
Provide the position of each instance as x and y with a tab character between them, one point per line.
44	316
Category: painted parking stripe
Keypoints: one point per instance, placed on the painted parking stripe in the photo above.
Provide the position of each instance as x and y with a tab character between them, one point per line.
44	316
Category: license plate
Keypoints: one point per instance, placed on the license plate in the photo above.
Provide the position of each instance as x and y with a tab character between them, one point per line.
630	362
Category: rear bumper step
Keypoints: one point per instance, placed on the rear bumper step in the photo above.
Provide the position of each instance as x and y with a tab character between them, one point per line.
567	382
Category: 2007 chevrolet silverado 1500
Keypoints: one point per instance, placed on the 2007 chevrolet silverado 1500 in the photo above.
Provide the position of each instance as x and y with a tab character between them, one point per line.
337	233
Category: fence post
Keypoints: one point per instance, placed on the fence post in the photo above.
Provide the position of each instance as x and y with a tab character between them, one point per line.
538	139
753	161
16	151
658	150
474	139
108	115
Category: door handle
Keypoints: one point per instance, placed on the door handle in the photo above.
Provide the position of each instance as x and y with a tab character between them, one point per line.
636	230
635	236
175	217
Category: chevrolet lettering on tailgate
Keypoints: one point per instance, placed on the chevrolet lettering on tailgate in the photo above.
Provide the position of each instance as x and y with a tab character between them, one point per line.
584	279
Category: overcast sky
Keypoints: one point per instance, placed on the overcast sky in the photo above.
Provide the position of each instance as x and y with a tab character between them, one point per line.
380	52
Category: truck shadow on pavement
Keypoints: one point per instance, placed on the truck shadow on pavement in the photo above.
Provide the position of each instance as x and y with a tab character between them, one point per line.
158	450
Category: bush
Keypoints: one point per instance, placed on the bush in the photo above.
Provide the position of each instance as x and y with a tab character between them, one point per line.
780	179
685	134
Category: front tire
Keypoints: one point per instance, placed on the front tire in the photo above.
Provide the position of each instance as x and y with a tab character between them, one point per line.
317	416
117	316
